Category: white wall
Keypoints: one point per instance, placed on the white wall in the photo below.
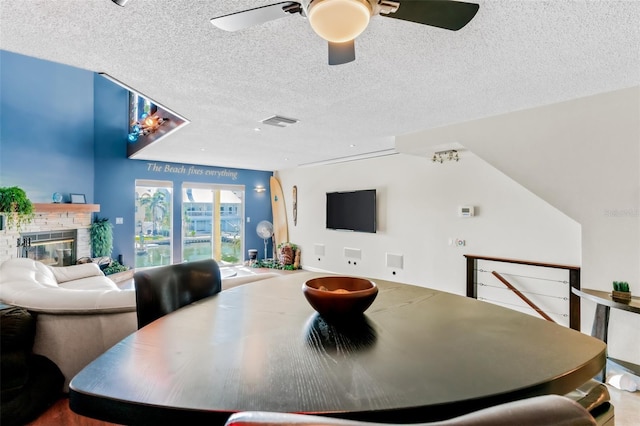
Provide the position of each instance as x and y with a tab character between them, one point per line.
582	160
583	157
417	215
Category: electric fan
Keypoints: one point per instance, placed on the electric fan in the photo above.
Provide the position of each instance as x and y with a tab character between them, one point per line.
265	231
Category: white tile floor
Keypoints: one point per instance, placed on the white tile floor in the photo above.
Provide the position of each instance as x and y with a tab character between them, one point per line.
626	406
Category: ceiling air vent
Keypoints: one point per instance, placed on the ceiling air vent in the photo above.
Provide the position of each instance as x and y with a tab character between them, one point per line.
279	121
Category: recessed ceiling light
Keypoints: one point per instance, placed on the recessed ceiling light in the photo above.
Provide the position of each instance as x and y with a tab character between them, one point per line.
352	145
257	129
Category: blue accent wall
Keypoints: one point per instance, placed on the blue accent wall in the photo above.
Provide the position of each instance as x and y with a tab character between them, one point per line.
64	130
46	127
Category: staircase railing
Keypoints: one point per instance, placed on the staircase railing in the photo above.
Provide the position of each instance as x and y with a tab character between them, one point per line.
574	282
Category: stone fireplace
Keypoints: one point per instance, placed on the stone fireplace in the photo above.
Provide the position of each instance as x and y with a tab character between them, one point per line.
59	221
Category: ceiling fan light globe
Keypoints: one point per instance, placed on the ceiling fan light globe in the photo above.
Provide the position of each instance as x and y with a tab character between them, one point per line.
339	21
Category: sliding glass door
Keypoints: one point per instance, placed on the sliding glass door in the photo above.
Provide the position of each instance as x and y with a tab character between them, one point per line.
153	239
212	225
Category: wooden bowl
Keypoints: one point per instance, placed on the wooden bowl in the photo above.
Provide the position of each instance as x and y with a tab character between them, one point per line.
337	296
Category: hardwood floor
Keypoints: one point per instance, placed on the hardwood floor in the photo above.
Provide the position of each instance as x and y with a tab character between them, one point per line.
60	414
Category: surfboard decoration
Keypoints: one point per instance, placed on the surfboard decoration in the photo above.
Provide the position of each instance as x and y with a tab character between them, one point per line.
295	205
280	230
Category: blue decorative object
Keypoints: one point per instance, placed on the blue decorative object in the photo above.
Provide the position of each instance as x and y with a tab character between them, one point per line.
57	197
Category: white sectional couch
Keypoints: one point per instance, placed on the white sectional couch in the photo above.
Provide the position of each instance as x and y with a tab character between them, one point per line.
231	282
80	313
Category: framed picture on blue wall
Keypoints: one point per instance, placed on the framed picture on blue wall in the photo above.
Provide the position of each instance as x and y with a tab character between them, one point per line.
78	199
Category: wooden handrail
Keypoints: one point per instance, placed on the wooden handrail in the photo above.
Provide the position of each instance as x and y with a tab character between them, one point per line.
522	262
522	296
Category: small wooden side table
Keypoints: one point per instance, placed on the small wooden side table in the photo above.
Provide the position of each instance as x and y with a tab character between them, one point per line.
600	329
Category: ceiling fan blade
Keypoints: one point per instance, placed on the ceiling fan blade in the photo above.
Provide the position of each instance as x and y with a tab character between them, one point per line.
259	15
341	53
447	14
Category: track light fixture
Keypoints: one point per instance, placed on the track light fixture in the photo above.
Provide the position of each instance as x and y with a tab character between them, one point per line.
441	156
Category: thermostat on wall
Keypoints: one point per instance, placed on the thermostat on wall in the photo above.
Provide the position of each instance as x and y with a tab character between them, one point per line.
465	211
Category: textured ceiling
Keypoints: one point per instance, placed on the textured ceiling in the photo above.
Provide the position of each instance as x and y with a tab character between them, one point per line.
406	77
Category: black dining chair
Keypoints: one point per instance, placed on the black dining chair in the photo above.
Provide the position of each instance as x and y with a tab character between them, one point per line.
162	290
541	410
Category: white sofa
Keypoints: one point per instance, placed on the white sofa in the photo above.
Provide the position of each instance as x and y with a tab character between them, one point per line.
80	313
231	282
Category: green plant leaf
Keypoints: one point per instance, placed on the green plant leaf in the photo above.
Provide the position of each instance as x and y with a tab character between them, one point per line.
101	236
115	267
15	205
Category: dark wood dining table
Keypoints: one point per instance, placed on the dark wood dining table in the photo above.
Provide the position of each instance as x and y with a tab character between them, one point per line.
416	355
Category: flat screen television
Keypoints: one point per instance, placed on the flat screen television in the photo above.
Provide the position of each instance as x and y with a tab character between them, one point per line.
352	211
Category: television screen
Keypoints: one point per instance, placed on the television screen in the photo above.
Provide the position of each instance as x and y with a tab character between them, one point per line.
352	211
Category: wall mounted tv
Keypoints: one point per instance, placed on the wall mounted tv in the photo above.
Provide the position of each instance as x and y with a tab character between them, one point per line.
352	211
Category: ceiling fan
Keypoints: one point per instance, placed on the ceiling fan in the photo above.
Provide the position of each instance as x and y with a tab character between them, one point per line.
341	21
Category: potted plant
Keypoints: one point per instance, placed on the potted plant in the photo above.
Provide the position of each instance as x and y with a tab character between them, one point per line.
289	256
621	292
101	235
15	205
114	268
